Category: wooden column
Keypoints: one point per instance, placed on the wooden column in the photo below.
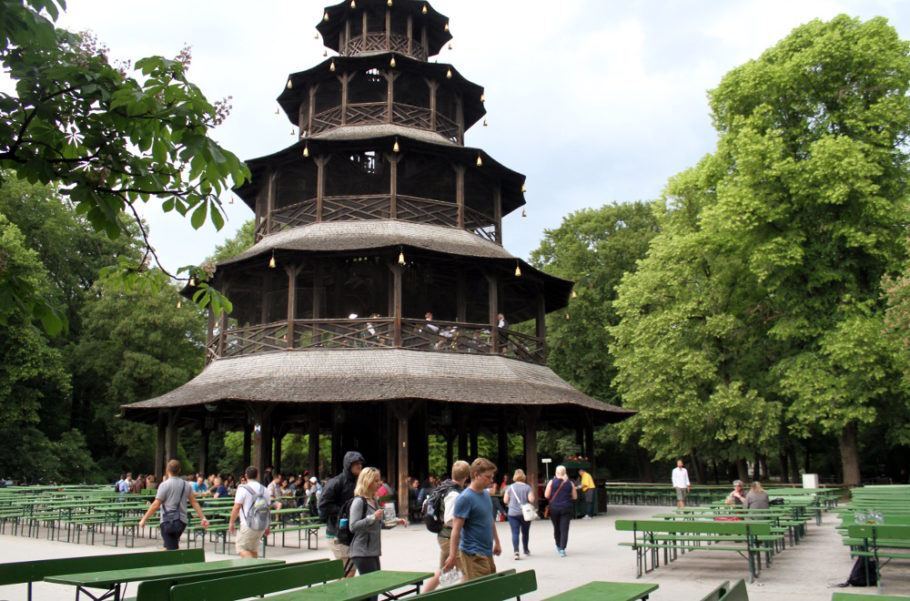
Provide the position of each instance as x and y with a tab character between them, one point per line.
424	41
312	107
461	297
247	444
541	322
222	334
531	415
204	436
497	213
344	79
347	36
474	443
388	29
450	459
434	89
391	430
589	441
493	309
396	301
459	117
462	433
502	445
402	411
171	435
278	433
321	162
410	35
264	313
459	193
160	446
313	435
393	184
293	271
209	335
364	30
270	202
262	438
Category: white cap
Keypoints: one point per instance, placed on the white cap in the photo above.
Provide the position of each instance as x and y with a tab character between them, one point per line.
313	479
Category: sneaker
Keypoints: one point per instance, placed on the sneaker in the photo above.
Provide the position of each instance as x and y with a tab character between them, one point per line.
527	553
562	552
517	556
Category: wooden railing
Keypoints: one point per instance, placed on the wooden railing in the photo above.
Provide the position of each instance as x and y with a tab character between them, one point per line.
371	113
377	333
376	42
413	209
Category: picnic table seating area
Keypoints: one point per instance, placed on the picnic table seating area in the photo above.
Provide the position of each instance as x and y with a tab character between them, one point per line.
90	514
758	535
875	525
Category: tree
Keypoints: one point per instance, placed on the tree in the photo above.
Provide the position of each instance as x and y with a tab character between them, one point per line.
594	248
109	140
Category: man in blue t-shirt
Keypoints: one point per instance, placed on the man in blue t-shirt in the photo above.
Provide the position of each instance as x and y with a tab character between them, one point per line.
474	541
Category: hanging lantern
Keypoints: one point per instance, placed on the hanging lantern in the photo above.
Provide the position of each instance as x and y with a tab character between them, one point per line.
292	132
332	66
450	45
449	73
424	10
325	53
524	189
574	294
325	16
179	303
389	3
192	281
353	4
485	123
567	316
392	63
446	27
231	200
517	270
479	161
316	36
524	213
395	147
276	110
483	97
272	263
401	257
290	85
306	151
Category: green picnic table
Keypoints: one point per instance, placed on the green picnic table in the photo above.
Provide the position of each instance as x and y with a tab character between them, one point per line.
362	587
607	591
856	597
111	581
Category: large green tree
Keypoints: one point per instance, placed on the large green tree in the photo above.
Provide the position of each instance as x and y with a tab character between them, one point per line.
803	211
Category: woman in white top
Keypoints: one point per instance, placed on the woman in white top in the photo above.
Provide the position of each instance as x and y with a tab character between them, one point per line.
517	494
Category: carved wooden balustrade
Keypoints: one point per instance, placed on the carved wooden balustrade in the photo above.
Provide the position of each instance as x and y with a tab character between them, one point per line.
378	332
371	113
377	42
413	209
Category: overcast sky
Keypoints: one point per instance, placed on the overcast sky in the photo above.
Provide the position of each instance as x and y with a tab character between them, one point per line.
594	100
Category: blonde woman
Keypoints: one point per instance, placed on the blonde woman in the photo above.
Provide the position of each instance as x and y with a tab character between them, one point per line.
517	494
561	494
366	522
757	498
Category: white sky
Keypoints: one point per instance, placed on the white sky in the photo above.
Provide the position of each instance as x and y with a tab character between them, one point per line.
594	100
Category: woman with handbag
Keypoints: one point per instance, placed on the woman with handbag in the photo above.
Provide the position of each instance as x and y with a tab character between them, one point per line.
522	504
561	494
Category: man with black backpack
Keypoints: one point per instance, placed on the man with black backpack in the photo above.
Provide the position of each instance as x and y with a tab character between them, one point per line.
439	507
172	497
338	491
252	503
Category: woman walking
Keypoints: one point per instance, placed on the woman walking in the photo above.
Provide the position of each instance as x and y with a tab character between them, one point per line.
366	522
516	495
561	494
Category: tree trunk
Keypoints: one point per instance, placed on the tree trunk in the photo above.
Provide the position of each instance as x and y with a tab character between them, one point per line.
756	468
742	470
699	476
716	474
849	455
784	468
794	465
763	461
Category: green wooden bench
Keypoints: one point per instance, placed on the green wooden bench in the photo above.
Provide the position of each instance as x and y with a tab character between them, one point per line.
737	592
307	526
22	572
855	597
718	592
242	586
159	589
747	538
878	541
607	591
494	587
361	587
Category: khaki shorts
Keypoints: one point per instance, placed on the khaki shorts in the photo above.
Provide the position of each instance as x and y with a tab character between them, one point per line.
475	566
342	552
248	540
681	494
444	546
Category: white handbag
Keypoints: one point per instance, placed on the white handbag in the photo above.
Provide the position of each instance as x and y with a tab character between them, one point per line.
528	511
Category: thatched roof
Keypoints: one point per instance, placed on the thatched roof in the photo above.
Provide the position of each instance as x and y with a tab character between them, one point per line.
339	376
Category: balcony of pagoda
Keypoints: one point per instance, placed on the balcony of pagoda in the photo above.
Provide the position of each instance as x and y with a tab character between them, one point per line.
376	333
379	42
386	113
413	209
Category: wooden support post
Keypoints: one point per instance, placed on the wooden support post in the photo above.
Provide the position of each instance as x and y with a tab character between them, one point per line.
461	297
247	444
459	118
270	202
222	334
171	435
474	443
264	313
160	446
459	194
541	323
502	445
344	78
425	41
410	35
209	335
388	29
396	302
531	415
262	438
434	89
402	412
462	433
313	435
364	30
390	77
393	184
589	442
347	37
493	310
204	435
277	438
497	213
312	108
320	185
450	459
391	431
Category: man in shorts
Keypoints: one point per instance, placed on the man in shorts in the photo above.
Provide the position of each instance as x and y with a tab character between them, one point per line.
474	541
460	472
171	497
247	542
681	483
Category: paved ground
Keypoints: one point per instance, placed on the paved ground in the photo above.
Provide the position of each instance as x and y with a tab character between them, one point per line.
805	573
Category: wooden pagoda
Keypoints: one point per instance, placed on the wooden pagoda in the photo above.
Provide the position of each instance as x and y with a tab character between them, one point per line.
368	307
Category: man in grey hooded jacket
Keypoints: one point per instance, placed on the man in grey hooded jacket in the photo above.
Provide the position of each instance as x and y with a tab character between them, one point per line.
337	492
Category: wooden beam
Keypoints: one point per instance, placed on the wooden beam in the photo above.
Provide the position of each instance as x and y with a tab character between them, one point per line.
459	118
459	194
531	415
434	88
204	435
502	444
388	29
364	31
320	185
344	79
497	212
270	202
171	435
247	444
411	35
160	446
347	36
313	435
493	309
402	411
292	271
209	334
541	322
393	184
461	297
312	108
396	301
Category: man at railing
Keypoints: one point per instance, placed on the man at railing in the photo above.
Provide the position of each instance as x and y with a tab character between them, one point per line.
501	325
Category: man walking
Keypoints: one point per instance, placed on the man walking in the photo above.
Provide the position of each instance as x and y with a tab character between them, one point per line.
587	489
171	497
681	483
337	492
474	541
253	503
460	472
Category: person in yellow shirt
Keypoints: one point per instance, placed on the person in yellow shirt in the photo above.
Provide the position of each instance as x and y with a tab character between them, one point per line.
587	489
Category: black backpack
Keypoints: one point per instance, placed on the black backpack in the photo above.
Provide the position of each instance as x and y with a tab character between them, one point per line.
433	510
858	573
343	534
